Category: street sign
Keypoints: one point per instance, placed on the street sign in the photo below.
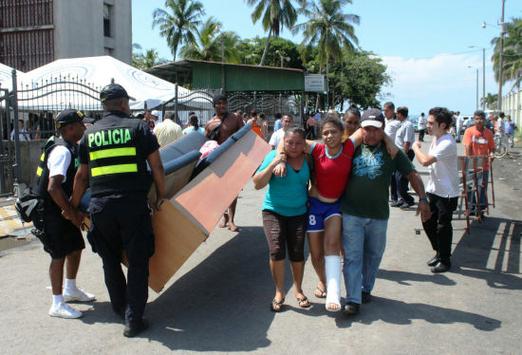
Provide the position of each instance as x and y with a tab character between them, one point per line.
315	83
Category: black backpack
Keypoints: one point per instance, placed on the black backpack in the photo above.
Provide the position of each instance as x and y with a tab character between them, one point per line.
28	205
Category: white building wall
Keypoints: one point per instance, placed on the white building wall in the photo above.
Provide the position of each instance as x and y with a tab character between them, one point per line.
512	105
79	29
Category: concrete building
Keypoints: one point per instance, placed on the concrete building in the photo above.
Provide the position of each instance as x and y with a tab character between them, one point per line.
36	32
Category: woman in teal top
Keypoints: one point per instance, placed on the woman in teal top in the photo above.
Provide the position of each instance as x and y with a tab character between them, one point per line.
285	212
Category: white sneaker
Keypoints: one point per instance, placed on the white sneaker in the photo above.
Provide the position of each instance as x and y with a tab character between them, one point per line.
77	295
63	310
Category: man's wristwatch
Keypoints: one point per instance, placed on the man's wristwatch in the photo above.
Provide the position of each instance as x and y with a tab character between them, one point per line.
423	199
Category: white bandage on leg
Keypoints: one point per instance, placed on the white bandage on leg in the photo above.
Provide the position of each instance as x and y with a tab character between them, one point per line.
332	265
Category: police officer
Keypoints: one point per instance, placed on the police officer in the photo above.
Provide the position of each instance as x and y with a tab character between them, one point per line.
60	238
113	159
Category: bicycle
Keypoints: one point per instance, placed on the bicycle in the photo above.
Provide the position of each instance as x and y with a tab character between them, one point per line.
502	145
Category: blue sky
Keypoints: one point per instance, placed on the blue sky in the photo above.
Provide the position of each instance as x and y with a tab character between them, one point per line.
425	44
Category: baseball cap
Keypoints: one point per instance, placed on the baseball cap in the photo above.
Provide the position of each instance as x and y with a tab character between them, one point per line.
68	116
113	91
372	117
158	114
217	98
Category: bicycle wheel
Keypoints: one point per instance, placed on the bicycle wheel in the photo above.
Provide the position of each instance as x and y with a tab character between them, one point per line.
501	150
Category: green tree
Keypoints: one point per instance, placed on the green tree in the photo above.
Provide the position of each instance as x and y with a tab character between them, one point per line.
329	29
512	54
178	23
358	78
212	44
275	15
251	50
147	60
490	100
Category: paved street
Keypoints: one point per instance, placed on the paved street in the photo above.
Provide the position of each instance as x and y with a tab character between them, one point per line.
219	301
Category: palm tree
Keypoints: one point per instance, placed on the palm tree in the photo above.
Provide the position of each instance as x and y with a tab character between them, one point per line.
328	28
179	22
490	101
512	53
275	15
212	44
147	60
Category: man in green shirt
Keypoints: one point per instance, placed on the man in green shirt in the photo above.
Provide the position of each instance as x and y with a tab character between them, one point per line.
365	208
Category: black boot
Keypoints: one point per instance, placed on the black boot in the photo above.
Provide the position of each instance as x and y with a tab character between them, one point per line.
441	267
131	330
351	308
433	261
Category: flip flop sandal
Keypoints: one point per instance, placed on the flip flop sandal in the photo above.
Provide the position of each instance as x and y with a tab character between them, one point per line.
303	302
276	306
319	293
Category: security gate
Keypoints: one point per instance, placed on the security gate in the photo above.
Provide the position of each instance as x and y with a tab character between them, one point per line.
26	120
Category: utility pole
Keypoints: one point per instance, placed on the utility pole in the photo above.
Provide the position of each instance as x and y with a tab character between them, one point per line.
483	79
501	57
477	100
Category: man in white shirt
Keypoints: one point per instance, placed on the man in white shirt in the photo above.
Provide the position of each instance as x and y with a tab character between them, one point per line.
442	188
404	138
278	135
459	121
57	221
391	125
421	126
23	135
167	131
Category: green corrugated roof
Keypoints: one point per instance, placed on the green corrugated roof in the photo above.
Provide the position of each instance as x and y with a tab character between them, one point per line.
236	77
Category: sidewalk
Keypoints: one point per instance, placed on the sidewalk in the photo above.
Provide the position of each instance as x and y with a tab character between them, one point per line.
219	300
10	225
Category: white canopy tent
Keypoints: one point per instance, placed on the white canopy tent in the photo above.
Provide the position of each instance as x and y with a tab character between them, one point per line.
94	73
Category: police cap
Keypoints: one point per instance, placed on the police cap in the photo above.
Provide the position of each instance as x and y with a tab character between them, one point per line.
113	91
68	116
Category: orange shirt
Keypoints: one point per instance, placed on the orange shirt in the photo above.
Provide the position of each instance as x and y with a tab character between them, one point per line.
258	129
480	143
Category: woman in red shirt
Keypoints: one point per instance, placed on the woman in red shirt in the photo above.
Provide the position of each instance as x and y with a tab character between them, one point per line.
332	165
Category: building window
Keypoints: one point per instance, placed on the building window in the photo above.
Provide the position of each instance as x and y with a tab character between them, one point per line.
107	13
108	51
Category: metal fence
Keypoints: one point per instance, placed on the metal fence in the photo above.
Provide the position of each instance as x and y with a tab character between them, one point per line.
33	105
26	118
197	101
264	102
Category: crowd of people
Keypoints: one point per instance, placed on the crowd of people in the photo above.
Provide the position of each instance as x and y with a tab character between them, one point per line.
338	192
335	194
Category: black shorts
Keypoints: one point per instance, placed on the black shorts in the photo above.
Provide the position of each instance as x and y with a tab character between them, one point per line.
61	237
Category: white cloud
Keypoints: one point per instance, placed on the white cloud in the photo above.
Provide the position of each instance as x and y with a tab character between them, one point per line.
442	80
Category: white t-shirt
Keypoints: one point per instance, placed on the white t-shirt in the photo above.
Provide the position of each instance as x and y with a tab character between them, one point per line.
421	123
191	129
458	123
444	174
276	137
405	133
391	127
59	161
23	135
167	132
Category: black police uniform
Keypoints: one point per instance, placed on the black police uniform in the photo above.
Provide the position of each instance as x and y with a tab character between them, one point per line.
60	237
116	149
